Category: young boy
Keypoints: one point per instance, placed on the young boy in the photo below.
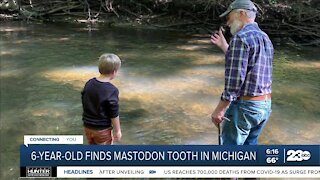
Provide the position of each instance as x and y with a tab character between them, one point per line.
100	103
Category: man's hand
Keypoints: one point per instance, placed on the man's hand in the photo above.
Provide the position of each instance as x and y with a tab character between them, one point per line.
217	117
219	40
218	114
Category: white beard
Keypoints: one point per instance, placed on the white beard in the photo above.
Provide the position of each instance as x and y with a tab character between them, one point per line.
235	26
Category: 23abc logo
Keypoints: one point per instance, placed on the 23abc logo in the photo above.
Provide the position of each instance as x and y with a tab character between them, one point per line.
298	155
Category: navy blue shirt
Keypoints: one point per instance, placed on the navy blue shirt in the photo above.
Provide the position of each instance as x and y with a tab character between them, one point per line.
100	102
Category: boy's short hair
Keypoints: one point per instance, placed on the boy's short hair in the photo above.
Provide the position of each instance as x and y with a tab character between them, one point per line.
108	63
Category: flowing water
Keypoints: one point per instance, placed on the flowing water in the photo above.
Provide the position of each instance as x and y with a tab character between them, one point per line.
169	84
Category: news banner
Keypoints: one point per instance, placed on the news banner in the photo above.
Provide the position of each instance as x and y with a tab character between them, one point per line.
67	157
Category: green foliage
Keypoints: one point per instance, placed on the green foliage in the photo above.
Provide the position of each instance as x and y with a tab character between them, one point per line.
8	5
273	1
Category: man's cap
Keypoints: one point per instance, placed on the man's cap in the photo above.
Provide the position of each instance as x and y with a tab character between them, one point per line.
240	4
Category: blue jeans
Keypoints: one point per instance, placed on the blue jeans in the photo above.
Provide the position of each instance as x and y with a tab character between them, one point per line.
248	118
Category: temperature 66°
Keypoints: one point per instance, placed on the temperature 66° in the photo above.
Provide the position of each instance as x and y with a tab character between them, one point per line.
272	160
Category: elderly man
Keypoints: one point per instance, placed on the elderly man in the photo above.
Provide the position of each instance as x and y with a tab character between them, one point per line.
245	104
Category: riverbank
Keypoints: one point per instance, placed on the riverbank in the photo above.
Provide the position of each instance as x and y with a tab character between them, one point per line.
295	22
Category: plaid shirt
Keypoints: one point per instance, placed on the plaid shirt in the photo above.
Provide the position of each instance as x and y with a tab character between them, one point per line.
248	67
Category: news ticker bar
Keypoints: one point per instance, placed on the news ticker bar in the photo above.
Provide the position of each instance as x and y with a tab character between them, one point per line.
171	172
169	155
